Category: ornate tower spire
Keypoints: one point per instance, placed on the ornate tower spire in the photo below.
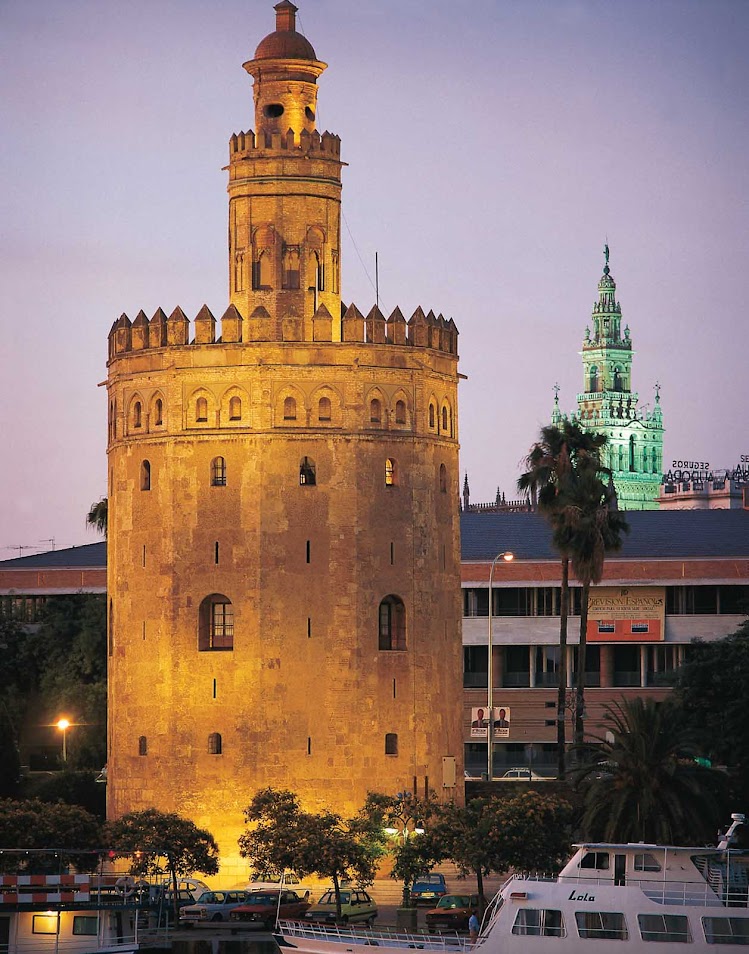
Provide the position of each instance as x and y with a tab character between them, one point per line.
285	192
608	404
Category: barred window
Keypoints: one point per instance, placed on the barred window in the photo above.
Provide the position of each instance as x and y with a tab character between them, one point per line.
214	743
216	623
218	472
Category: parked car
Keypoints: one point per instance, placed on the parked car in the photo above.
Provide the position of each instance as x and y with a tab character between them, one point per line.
272	880
262	907
212	906
523	775
428	887
452	913
356	905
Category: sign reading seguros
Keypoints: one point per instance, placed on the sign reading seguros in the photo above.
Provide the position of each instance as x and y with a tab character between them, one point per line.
626	614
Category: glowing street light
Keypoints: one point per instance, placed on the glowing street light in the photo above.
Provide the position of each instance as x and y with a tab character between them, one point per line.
507	556
63	725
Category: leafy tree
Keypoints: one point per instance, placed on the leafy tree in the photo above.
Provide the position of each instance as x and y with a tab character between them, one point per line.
588	527
413	852
711	687
96	518
68	654
71	787
34	824
488	835
157	841
285	837
641	783
553	461
10	757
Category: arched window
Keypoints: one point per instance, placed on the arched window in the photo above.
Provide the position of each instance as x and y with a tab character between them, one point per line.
216	623
235	409
593	378
261	276
323	409
137	414
158	414
632	453
444	420
621	457
214	743
392	618
400	412
432	416
145	475
375	411
617	379
218	472
289	409
143	745
307	472
201	410
645	460
391	472
443	479
391	743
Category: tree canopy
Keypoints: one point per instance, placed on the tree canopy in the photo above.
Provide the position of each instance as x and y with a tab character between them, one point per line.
640	781
285	837
711	688
33	824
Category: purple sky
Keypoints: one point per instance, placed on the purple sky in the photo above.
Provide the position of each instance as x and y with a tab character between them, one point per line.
493	146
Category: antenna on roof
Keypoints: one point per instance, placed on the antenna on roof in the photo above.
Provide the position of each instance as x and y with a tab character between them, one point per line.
51	540
20	548
377	281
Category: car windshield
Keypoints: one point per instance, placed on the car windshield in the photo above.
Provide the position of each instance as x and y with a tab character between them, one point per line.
211	897
329	897
454	901
429	879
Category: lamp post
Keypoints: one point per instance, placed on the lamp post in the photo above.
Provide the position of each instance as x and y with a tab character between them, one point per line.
508	556
404	820
63	725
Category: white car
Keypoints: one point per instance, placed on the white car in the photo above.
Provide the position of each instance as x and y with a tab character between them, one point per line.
212	906
523	775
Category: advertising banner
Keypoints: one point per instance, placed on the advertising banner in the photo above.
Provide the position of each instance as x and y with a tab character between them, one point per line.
626	614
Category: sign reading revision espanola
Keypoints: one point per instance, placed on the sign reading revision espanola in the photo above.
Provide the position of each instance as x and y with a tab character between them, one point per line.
620	614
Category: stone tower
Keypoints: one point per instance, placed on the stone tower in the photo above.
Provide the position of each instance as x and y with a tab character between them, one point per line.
284	562
608	404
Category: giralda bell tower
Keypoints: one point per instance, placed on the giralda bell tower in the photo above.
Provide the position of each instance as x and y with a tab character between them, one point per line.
284	562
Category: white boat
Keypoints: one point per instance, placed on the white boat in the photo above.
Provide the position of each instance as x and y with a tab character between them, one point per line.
621	898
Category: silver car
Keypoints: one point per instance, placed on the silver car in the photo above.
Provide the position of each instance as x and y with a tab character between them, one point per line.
212	906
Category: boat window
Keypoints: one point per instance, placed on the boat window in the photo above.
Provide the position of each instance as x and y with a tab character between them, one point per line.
84	924
726	930
646	862
596	859
665	927
542	922
601	924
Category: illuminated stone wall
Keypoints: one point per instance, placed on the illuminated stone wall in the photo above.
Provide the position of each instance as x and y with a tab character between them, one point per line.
285	387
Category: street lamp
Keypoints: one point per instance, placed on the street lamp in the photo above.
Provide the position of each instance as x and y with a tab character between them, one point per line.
404	818
508	556
63	725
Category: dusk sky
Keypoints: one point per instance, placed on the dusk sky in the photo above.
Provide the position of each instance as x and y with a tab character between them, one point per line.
493	147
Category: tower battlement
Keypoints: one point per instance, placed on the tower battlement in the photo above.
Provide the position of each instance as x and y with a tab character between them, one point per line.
420	331
307	143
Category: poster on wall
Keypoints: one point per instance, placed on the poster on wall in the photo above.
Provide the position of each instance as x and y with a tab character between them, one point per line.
501	722
623	614
479	723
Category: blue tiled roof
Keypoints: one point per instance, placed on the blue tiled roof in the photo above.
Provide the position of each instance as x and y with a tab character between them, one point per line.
88	556
654	534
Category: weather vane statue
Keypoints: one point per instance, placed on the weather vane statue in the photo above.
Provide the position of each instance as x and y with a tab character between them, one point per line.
606	251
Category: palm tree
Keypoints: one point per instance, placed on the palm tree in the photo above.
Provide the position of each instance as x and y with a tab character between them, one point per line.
591	526
551	464
96	518
641	783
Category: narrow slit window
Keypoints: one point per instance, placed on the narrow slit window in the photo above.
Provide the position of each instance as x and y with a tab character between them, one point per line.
391	743
145	475
159	412
309	551
443	479
390	472
143	745
137	414
215	552
392	620
309	745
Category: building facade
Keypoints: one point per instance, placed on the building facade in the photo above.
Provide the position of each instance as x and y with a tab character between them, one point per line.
681	575
607	404
284	549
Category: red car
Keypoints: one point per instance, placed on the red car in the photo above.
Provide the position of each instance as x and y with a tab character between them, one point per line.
262	907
